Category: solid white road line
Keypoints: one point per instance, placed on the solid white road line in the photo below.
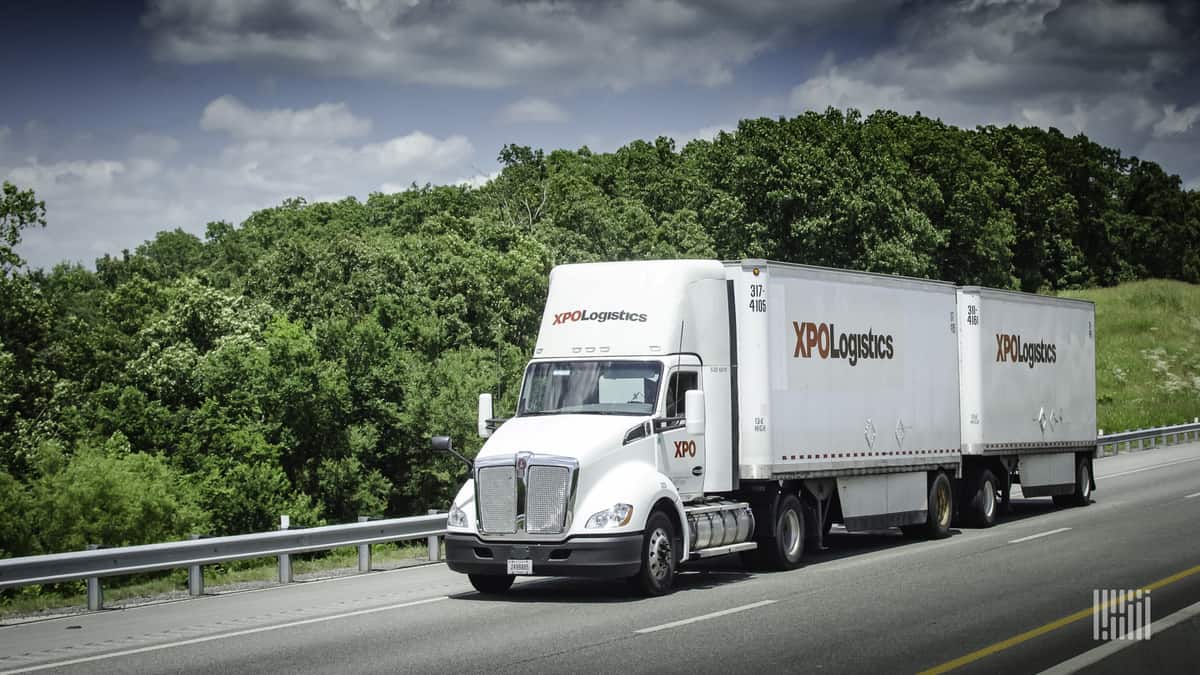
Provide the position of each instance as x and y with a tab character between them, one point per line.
1191	496
1147	468
222	636
1039	535
703	617
1094	656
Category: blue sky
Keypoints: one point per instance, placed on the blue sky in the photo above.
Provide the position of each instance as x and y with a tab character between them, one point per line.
132	118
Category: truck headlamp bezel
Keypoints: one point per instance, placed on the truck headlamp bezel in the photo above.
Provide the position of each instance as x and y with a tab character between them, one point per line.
457	517
617	515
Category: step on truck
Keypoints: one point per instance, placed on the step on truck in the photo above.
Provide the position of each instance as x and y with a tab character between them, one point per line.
679	410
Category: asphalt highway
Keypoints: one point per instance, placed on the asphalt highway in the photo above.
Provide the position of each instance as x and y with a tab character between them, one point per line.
1016	597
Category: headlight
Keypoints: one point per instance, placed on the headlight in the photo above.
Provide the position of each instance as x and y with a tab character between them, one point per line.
616	516
457	517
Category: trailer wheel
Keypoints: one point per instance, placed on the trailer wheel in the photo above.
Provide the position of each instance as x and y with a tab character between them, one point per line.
940	509
984	503
785	547
491	584
657	574
1083	486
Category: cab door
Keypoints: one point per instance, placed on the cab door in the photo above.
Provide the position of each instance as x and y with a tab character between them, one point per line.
680	452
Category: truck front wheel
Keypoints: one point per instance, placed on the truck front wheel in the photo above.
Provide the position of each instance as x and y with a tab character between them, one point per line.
491	584
657	574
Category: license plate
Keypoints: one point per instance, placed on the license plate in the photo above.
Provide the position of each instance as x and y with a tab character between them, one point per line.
520	567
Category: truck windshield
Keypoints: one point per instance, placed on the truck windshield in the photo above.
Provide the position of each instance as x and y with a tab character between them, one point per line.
590	387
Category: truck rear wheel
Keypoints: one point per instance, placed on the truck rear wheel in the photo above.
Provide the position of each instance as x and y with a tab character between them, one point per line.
491	584
981	510
785	547
940	507
657	575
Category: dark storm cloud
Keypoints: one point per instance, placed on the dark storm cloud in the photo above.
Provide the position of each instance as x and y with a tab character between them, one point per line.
1125	73
489	43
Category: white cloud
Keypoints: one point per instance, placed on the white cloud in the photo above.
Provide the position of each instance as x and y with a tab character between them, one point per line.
488	43
102	206
477	181
326	121
529	110
417	149
43	178
4	133
1176	121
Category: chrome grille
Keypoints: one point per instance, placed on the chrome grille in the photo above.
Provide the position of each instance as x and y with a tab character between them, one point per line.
546	499
498	499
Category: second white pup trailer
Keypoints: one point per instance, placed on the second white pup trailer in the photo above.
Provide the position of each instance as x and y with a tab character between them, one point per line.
1027	385
676	410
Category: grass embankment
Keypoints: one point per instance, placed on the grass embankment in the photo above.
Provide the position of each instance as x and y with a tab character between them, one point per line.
216	578
1147	353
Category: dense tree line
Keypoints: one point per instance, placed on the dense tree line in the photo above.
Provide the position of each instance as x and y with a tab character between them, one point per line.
299	362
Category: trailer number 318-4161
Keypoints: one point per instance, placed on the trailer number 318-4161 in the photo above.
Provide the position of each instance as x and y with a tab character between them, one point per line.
758	298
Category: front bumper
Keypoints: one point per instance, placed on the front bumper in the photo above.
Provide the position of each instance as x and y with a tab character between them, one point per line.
612	556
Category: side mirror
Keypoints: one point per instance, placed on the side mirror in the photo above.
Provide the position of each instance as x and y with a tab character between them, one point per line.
693	402
444	444
485	414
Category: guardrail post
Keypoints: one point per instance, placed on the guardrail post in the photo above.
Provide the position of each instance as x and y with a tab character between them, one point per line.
285	560
364	551
195	576
95	594
435	548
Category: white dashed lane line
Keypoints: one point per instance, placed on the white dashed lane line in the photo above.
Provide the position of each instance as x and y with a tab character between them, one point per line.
1039	535
704	617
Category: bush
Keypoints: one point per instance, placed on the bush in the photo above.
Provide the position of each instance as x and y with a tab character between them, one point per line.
110	499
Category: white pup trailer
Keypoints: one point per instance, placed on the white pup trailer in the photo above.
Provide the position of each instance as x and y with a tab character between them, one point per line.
677	410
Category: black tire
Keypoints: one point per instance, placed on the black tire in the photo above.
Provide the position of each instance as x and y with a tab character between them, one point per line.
1083	482
1082	496
657	575
491	584
940	509
983	500
783	549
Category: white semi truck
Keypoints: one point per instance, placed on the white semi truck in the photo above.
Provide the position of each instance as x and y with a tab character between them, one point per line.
679	410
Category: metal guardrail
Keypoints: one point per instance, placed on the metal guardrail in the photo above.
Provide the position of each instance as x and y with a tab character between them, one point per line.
1179	433
95	562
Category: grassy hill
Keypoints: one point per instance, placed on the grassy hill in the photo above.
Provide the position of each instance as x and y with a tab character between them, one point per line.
1147	353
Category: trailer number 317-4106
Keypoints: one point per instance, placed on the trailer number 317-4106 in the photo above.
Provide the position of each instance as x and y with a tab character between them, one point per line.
758	298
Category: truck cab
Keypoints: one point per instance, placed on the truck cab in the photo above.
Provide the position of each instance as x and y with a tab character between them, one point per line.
609	445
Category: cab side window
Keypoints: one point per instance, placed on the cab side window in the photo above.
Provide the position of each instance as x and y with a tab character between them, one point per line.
681	382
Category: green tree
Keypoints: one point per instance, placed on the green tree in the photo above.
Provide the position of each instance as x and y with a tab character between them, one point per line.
19	209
